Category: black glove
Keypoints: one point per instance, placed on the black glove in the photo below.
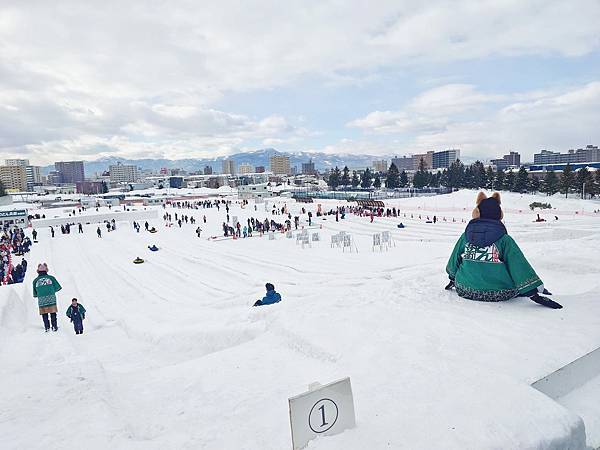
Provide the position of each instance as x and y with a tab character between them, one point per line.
450	285
258	303
545	301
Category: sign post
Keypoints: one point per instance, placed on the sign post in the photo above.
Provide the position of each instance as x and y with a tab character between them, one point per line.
322	411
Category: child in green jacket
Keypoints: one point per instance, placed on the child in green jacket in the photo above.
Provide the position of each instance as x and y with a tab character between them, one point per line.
488	265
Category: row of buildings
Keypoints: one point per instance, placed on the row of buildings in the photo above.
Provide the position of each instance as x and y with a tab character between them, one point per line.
431	160
279	165
20	176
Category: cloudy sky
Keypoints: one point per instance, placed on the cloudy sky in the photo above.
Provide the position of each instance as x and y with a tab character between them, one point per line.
178	79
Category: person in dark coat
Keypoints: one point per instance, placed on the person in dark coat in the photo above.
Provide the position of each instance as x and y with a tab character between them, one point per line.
76	312
271	297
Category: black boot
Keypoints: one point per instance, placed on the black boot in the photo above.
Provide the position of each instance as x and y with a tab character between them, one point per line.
53	320
544	301
46	321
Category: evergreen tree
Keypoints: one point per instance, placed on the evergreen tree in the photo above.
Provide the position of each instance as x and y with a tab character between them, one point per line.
377	182
392	180
584	178
403	179
456	174
334	178
479	174
421	177
2	190
490	176
345	180
355	180
567	180
469	179
434	180
596	184
509	181
367	178
521	181
550	185
444	178
499	183
104	188
534	184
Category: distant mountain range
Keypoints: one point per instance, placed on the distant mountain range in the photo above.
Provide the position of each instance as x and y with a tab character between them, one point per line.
261	157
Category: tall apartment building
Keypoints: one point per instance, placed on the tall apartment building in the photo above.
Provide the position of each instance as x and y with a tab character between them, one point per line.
445	158
16	162
309	168
590	153
34	177
280	165
208	170
14	178
228	167
245	168
513	159
403	163
71	172
380	166
123	173
426	157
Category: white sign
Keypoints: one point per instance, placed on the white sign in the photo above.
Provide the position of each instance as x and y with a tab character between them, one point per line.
325	410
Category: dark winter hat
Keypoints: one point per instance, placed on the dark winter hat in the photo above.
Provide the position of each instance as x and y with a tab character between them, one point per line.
488	208
270	287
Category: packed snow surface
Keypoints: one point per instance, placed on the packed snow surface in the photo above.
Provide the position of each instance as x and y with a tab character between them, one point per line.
175	357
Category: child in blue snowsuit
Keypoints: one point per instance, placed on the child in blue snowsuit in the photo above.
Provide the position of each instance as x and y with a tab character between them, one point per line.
270	298
76	312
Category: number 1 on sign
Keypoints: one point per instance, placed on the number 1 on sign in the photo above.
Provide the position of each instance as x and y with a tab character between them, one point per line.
322	409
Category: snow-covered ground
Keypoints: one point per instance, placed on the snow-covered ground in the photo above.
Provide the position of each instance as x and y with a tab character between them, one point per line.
175	357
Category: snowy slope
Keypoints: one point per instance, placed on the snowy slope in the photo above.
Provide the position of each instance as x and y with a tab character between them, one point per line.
173	355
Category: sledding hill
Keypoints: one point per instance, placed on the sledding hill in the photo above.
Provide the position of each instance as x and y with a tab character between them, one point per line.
174	356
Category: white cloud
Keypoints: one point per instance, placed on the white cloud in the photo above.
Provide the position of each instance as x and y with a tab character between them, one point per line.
526	122
153	72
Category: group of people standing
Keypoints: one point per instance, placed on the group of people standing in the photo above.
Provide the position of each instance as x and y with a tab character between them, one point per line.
13	242
45	287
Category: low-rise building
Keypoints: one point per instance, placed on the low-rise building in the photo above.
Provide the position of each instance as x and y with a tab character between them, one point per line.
253	191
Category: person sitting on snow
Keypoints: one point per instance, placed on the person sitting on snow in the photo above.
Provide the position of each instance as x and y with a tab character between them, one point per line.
487	264
270	298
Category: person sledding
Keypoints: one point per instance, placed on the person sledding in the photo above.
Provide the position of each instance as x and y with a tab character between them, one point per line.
153	248
488	265
270	298
138	260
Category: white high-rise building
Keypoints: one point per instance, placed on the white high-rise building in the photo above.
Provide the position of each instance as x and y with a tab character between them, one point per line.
34	177
123	173
17	162
228	167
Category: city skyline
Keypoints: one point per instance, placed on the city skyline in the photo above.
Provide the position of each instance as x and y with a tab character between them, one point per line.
176	81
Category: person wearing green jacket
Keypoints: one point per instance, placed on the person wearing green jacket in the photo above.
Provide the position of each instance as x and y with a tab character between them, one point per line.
488	265
45	288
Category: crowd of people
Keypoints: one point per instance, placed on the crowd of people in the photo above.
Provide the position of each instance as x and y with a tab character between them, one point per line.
13	243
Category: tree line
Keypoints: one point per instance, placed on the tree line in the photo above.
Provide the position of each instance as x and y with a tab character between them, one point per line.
473	176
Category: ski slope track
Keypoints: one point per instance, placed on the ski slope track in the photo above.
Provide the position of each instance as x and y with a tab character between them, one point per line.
173	356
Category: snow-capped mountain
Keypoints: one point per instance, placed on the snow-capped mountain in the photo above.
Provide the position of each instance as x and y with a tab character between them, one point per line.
260	157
